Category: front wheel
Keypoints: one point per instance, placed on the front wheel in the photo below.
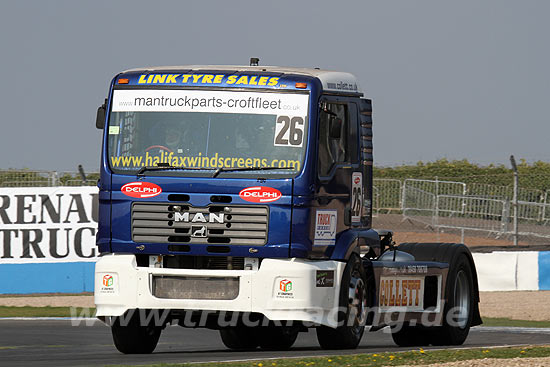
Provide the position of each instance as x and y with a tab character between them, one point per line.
277	337
132	336
239	338
353	310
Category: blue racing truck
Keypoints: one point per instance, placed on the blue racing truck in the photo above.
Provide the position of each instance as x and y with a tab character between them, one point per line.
239	198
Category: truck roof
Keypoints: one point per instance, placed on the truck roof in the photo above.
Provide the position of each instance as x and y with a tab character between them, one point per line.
335	81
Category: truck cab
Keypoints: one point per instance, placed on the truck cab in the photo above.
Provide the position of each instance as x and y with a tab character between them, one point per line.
246	192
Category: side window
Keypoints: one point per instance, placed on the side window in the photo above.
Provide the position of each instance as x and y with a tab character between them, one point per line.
333	136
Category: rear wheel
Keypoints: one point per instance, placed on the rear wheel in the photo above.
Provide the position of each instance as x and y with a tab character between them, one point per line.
410	336
131	336
353	310
457	314
457	317
239	338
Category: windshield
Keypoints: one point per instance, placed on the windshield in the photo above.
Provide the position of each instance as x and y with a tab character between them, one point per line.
207	129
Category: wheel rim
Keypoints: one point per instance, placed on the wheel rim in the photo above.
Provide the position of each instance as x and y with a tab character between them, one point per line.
462	298
357	301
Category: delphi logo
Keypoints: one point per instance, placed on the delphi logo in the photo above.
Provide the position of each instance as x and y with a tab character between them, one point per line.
108	280
141	189
260	194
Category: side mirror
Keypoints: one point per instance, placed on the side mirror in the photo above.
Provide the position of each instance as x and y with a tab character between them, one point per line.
334	123
335	128
100	118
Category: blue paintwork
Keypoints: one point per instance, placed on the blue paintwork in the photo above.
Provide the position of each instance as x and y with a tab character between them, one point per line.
544	271
228	79
347	239
290	218
73	277
104	222
200	190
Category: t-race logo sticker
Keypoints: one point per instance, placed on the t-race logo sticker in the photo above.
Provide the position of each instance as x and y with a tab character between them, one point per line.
141	190
260	194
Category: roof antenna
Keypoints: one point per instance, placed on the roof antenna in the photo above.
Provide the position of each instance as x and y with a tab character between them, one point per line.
254	61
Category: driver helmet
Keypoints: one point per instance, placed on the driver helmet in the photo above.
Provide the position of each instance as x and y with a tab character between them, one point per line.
173	136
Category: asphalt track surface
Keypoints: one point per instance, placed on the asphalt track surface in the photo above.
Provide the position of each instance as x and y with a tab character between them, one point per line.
58	343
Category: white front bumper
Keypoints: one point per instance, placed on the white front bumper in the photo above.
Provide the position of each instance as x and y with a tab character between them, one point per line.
121	285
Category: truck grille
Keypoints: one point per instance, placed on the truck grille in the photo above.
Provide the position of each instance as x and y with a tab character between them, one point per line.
212	288
214	224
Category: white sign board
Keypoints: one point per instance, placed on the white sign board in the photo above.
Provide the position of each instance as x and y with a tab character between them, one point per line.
162	100
48	224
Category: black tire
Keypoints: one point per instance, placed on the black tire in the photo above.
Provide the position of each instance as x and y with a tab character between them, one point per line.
239	338
461	269
277	337
410	336
354	307
459	302
130	337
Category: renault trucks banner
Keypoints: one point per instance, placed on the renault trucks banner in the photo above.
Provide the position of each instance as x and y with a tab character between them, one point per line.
48	224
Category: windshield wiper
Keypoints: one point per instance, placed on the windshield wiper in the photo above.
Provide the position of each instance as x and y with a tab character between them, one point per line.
166	166
233	169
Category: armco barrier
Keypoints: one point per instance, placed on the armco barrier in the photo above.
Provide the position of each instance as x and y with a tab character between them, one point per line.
497	271
544	270
513	270
74	277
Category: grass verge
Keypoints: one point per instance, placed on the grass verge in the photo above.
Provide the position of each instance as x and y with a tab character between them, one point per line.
26	311
419	357
493	321
46	295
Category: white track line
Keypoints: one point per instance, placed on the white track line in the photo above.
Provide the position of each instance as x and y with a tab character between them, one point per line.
50	318
512	329
363	352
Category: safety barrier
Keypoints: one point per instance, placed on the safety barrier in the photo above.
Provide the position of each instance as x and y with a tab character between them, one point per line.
458	206
513	270
497	271
28	178
47	241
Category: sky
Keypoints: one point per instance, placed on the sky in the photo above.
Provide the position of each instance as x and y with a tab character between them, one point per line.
462	79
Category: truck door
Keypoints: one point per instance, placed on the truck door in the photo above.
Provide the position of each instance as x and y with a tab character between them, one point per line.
337	160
